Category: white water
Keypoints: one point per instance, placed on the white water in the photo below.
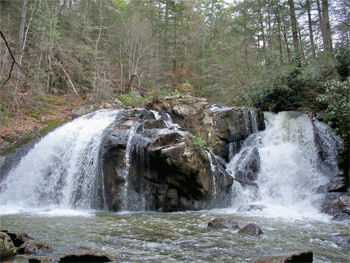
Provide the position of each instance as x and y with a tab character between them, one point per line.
125	194
289	174
60	171
213	171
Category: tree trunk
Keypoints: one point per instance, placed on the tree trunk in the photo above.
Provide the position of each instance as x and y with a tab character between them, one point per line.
21	27
311	34
326	27
294	31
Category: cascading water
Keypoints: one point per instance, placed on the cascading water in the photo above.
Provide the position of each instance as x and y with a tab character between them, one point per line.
126	195
60	171
213	171
289	173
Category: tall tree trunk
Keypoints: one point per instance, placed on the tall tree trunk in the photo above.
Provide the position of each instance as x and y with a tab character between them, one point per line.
311	34
21	27
286	42
328	46
294	31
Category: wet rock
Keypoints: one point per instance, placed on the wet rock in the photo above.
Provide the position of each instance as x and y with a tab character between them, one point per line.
219	126
12	235
164	166
305	257
251	229
337	184
337	205
249	166
21	238
85	254
7	248
220	223
41	259
342	240
33	247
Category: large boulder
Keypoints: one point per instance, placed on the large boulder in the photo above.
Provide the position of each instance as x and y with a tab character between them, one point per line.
21	238
221	127
305	257
151	162
251	229
7	248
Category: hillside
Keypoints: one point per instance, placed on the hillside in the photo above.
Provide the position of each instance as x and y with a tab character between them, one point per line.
31	119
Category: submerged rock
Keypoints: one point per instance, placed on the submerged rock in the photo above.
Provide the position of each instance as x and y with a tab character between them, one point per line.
85	254
342	240
41	259
305	257
251	229
227	223
7	248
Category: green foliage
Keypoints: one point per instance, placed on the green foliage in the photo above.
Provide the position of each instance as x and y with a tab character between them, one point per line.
131	99
199	141
342	57
163	91
292	87
337	99
275	98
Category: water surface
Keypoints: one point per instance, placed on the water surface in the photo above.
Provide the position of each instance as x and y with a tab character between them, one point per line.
178	237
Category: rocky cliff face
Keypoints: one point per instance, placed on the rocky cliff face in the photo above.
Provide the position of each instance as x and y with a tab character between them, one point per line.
152	163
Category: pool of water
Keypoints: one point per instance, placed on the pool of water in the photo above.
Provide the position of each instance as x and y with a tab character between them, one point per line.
178	237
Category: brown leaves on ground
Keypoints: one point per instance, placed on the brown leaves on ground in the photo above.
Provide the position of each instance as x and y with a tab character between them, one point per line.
27	118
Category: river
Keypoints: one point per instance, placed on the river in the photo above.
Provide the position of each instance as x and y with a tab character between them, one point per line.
178	237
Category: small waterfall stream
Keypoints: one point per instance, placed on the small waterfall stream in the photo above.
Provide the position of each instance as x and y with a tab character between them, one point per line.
126	195
289	171
60	171
213	170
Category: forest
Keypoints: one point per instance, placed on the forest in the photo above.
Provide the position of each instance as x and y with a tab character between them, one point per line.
271	54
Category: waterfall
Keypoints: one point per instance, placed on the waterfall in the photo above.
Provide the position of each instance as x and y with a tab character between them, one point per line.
60	171
126	195
289	173
213	171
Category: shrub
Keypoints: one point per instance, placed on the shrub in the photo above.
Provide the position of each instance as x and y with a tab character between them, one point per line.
277	98
130	99
337	100
198	140
342	57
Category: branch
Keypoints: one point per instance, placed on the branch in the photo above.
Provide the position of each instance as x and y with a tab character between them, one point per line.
70	81
13	61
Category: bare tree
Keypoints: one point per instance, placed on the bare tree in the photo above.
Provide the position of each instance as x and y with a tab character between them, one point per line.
134	47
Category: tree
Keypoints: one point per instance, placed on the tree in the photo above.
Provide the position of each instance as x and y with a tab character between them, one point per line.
294	32
134	45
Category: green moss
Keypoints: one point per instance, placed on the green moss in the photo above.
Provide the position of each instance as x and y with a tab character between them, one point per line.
25	139
198	140
52	124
